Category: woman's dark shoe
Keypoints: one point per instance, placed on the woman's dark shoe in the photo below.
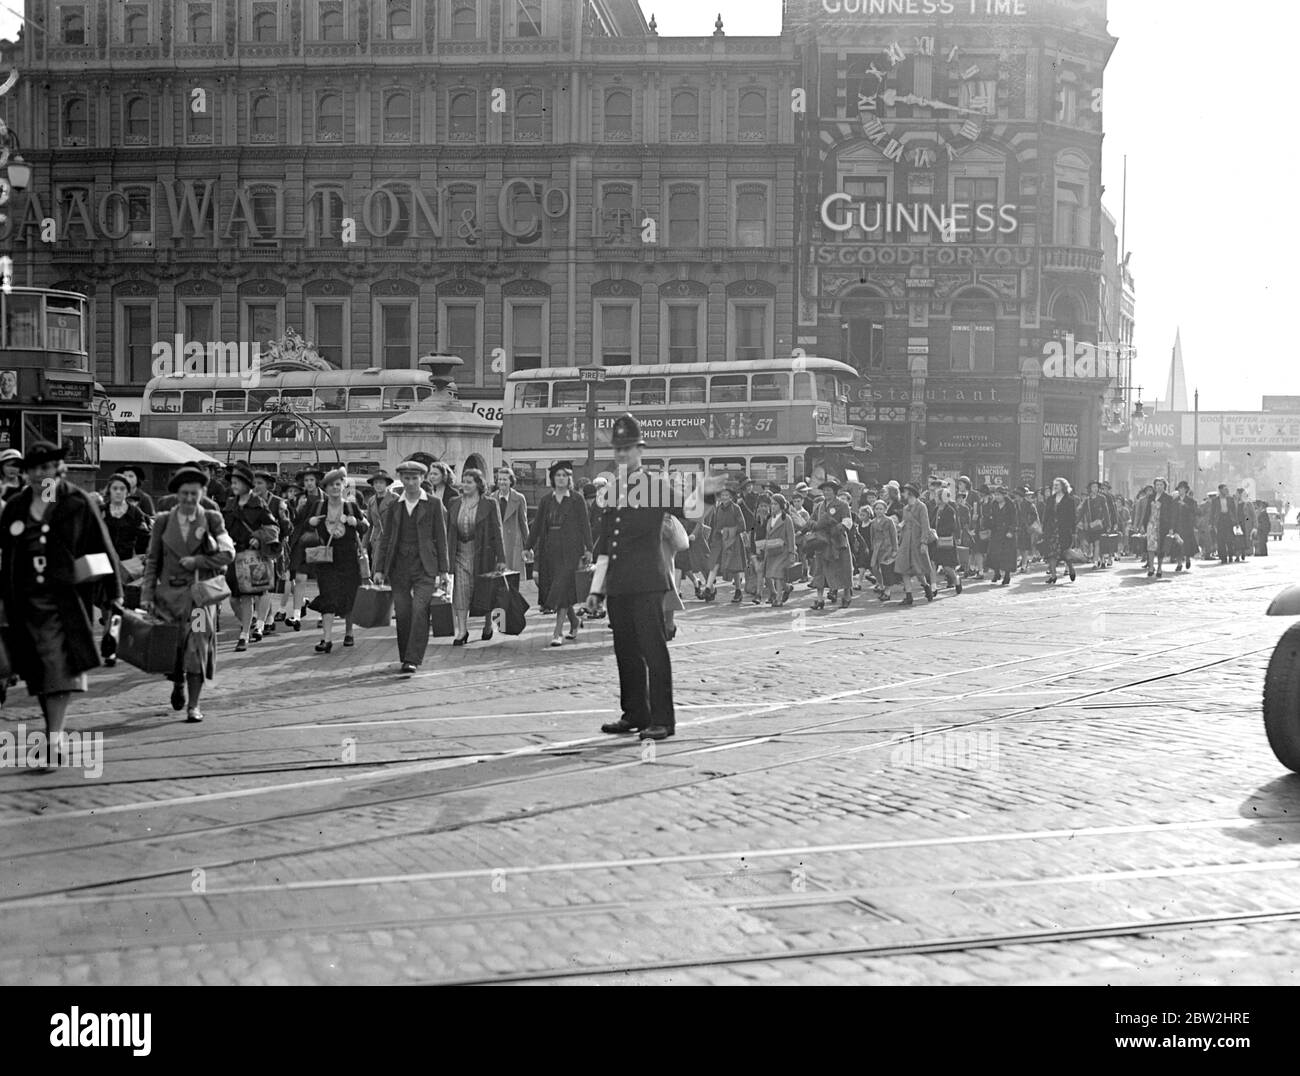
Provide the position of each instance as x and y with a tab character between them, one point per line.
349	641
737	598
487	630
178	697
462	641
1072	576
294	623
959	588
671	633
279	616
1006	579
710	593
1160	574
908	600
929	594
254	636
819	605
241	646
268	628
845	602
305	607
323	647
699	592
1151	573
884	597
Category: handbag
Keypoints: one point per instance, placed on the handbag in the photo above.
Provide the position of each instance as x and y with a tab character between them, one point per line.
148	643
205	592
769	547
492	591
321	554
946	543
253	575
97	566
373	606
1035	530
675	534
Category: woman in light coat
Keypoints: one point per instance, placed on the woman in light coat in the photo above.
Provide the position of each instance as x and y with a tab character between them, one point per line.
883	532
188	543
514	519
777	561
914	545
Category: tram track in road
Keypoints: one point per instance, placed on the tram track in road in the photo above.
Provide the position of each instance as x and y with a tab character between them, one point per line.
588	801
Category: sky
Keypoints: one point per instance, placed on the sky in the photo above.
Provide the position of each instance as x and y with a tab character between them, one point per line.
1207	222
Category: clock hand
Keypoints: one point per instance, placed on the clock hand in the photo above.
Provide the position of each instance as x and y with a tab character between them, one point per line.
893	97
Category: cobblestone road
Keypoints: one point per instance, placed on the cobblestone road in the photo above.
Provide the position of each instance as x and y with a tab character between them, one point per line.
1022	785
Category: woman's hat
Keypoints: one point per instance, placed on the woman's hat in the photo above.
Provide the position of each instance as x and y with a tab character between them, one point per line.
1000	489
589	490
118	478
380	476
185	476
411	467
40	452
774	488
879	504
1184	486
626	432
11	455
240	471
913	489
339	474
310	470
269	477
962	478
830	484
559	465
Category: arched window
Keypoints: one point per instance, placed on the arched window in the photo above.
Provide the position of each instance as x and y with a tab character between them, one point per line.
1069	315
528	116
329	117
200	25
686	116
262	118
398	20
264	27
753	116
464	118
331	22
397	116
75	124
974	332
198	125
74	27
865	317
1073	220
136	28
137	121
464	21
618	116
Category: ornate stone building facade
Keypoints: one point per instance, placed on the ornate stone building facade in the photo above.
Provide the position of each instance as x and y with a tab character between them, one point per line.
518	182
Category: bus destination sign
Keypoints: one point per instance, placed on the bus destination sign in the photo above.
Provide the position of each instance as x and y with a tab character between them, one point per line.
658	428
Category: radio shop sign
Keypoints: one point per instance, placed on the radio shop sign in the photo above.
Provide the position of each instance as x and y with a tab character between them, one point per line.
669	428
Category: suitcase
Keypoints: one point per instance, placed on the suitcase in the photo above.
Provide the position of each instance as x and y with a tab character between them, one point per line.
373	607
441	623
491	592
797	572
150	644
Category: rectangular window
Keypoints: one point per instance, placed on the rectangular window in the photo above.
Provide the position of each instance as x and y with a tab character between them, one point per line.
459	335
330	20
648	392
231	401
135	342
135	24
532	394
528	18
869	194
327	216
683	332
262	322
1069	215
461	225
616	337
729	388
198	125
687	390
751	331
266	28
769	388
526	337
617	217
325	328
751	215
199	321
684	216
198	20
72	24
397	334
867	343
570	394
972	195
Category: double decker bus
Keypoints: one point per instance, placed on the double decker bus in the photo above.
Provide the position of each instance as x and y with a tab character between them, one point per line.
47	392
209	412
774	420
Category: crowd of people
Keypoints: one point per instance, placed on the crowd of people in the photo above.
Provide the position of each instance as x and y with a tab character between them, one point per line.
434	538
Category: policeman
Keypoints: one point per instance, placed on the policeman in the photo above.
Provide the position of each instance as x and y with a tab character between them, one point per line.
635	580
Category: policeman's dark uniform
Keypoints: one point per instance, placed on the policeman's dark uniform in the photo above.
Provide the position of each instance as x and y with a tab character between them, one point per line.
636	579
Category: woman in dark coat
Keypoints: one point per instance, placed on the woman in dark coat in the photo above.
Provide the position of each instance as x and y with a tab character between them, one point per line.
251	525
1002	521
475	548
947	525
128	527
188	543
1185	524
1060	517
44	531
340	525
560	540
303	536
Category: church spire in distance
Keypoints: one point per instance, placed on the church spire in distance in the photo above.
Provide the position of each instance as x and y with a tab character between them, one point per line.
1176	390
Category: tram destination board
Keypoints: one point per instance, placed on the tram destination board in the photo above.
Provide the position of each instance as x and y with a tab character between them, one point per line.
711	426
58	391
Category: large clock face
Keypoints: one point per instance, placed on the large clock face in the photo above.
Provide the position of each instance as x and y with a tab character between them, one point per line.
878	95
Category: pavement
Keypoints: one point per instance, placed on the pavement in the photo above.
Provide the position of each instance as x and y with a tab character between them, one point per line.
1018	785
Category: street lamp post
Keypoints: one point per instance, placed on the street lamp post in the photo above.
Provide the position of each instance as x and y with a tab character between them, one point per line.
18	174
1196	440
